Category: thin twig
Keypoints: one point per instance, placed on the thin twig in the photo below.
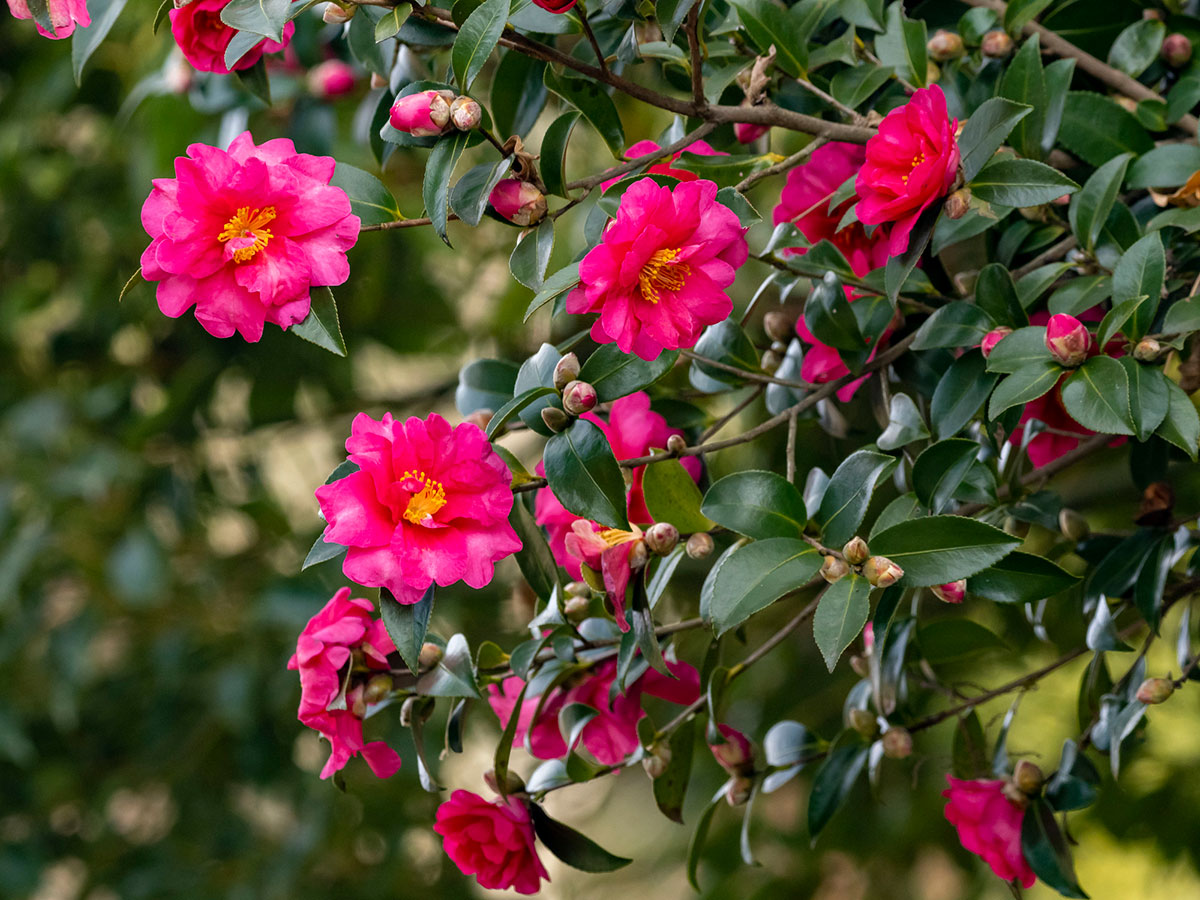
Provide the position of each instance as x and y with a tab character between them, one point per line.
591	36
761	377
851	114
728	417
791	449
637	162
783	165
692	28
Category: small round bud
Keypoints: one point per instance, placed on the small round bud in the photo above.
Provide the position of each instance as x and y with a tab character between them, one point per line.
1068	340
576	609
1155	690
519	202
834	569
945	45
465	113
897	743
566	371
739	790
1073	526
996	44
555	419
881	571
377	688
676	443
579	397
430	655
992	338
334	14
423	114
771	361
1028	777
954	592
864	722
856	551
1176	50
699	545
656	760
778	325
1147	350
957	204
661	538
578	589
513	783
638	556
481	418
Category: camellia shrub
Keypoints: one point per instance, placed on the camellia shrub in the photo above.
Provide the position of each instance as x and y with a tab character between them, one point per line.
980	274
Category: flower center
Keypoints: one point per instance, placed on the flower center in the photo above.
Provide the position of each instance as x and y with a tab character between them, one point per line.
429	496
662	273
917	159
615	536
248	225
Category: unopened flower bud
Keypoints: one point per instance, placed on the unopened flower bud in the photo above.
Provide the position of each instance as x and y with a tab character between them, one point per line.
861	667
356	703
992	338
881	571
699	545
1028	777
957	204
656	760
1147	350
945	45
864	722
1176	50
430	655
661	538
771	361
897	743
748	132
555	419
378	81
377	688
856	551
1067	339
335	14
1155	690
332	78
578	589
638	556
738	791
423	114
576	609
513	783
736	755
481	418
465	113
869	638
1073	526
778	325
834	569
578	397
566	371
996	44
518	201
954	592
1062	200
676	443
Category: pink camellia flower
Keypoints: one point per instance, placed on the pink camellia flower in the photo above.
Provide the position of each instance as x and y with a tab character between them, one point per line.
518	201
244	234
429	503
992	338
423	114
736	755
492	840
989	825
614	553
632	429
658	278
64	16
1068	339
556	6
332	78
343	629
954	592
642	148
203	37
612	735
911	163
748	133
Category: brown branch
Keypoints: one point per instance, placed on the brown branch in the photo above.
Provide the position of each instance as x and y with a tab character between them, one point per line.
591	36
729	416
692	27
743	373
1054	251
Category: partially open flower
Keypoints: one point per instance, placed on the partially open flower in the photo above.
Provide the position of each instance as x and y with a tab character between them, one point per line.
992	338
578	397
494	841
736	755
1068	339
64	16
465	113
989	825
518	201
954	592
423	114
881	571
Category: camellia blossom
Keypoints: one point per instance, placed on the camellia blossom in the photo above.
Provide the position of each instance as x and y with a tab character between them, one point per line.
632	429
428	504
748	132
332	78
736	755
612	735
642	148
1068	339
911	163
203	37
492	840
64	16
245	234
556	6
989	825
608	551
518	201
659	275
342	630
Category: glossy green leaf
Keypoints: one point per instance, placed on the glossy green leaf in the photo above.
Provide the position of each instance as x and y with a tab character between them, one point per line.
947	640
321	326
1091	206
1025	82
84	41
538	371
849	493
835	778
406	624
941	549
940	469
1020	182
831	320
1141	272
1020	578
1182	425
786	745
1183	317
1137	47
1148	396
956	324
905	424
484	384
996	295
670	787
584	475
986	130
1168	166
672	496
1096	129
670	15
554	152
1097	396
758	504
391	23
531	255
902	45
320	552
1024	387
615	374
593	102
534	558
454	675
960	393
768	24
518	94
1046	850
571	847
757	574
1022	349
439	168
840	616
476	40
264	17
559	283
370	199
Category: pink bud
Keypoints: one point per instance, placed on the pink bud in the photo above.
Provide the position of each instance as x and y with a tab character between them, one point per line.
332	78
518	201
945	45
661	538
465	113
992	338
1176	50
957	204
735	756
748	132
334	14
1067	339
868	637
996	44
1155	690
579	397
423	114
954	592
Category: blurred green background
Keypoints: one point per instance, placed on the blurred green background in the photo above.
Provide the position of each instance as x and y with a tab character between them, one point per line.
156	503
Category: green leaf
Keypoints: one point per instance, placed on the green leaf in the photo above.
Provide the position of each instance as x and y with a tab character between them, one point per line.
559	283
1046	850
758	504
1148	396
321	326
696	844
672	496
40	10
960	393
391	23
264	17
670	787
1168	166
1183	96
370	199
571	847
597	107
786	745
768	24
513	407
534	558
554	152
853	86
375	57
986	130
615	374
1024	387
1073	785
1137	47
484	384
439	168
1021	12
321	552
940	469
531	256
898	268
454	675
1182	425
728	343
942	549
737	203
902	45
831	320
470	195
1097	396
1020	182
1183	317
406	624
947	640
997	296
905	424
849	493
755	575
1091	206
1096	129
1025	82
584	475
903	508
969	748
956	324
518	94
476	40
670	15
504	747
840	616
1080	294
833	781
84	42
1141	272
1058	77
1022	349
254	79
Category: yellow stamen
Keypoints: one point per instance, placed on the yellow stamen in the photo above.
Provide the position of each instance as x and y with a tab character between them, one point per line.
614	536
917	159
248	224
423	504
662	273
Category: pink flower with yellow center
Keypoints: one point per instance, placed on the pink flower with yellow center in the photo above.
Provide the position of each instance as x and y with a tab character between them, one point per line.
658	277
428	504
203	37
244	235
64	16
